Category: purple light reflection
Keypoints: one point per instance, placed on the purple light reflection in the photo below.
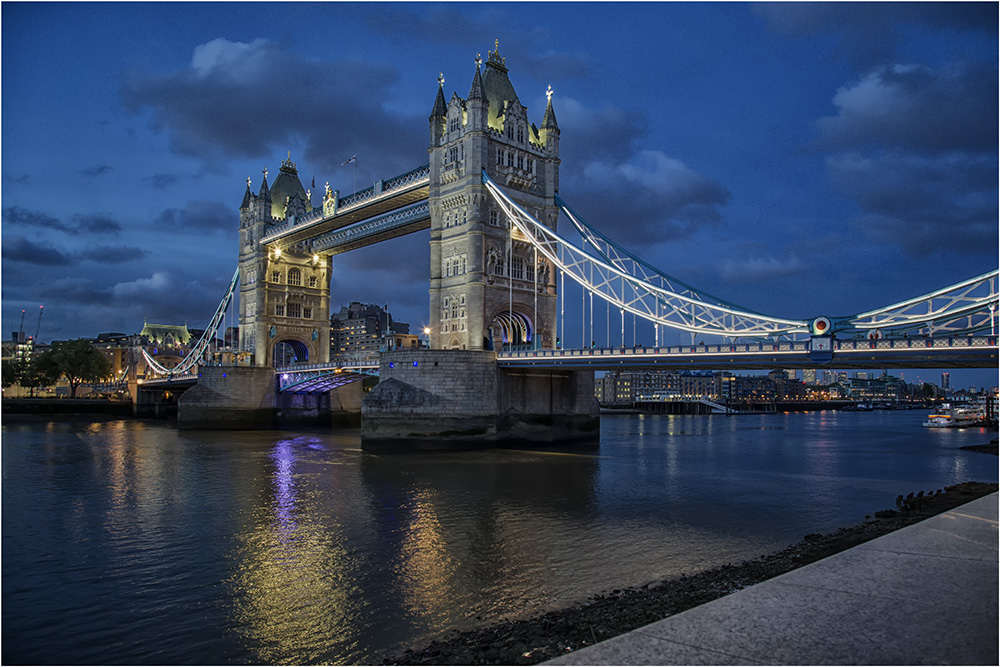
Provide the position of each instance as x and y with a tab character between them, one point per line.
283	456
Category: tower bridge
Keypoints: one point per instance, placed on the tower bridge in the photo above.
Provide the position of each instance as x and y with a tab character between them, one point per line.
489	195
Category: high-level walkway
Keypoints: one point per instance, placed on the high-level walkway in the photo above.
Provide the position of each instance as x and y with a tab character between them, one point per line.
923	595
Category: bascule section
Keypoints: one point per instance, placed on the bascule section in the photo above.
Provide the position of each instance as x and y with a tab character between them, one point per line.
489	287
284	287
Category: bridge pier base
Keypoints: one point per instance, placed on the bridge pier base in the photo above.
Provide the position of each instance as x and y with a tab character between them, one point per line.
337	407
230	397
442	399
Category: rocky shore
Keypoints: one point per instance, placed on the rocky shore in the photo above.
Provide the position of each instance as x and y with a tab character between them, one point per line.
545	636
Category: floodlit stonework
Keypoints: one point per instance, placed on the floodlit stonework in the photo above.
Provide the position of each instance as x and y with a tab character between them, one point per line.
486	288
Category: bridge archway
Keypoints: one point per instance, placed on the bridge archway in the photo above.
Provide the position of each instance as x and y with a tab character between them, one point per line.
511	329
289	351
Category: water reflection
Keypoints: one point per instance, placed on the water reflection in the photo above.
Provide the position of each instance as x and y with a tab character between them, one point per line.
296	588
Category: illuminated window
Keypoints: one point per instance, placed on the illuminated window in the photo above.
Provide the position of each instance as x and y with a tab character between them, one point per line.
294	277
279	310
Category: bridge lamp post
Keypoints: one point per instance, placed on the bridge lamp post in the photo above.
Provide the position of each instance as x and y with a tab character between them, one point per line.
427	332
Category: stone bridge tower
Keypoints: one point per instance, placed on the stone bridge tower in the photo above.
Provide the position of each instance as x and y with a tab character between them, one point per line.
284	291
488	289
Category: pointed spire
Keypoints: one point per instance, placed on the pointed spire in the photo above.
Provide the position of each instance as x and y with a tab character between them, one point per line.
247	195
549	119
476	92
440	110
265	192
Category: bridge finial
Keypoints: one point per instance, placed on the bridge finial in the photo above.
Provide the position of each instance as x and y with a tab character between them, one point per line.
248	182
479	60
548	93
264	171
441	79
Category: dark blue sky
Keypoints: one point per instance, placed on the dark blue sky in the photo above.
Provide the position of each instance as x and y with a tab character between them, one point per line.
798	159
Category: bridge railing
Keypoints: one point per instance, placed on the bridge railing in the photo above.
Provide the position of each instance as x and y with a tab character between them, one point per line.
753	348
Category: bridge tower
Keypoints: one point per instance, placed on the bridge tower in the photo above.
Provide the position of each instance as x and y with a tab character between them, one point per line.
488	288
284	291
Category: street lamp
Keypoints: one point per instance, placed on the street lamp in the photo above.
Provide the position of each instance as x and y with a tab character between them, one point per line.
427	332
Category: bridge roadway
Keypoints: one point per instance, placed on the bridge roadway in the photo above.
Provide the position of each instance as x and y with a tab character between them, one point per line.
952	352
382	198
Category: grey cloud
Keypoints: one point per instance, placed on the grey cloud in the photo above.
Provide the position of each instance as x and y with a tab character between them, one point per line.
870	32
23	179
923	205
99	223
112	254
200	215
161	181
76	291
20	249
97	170
560	66
916	108
242	101
666	199
16	215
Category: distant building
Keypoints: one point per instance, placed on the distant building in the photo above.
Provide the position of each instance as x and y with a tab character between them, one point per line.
359	331
945	381
809	376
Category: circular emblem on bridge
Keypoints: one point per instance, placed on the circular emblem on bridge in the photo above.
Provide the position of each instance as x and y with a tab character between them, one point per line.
821	325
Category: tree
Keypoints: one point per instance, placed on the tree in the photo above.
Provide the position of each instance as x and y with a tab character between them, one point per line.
78	361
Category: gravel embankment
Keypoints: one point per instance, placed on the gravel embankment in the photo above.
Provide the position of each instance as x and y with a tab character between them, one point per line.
545	636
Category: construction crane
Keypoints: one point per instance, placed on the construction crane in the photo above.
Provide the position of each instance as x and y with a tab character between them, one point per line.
39	326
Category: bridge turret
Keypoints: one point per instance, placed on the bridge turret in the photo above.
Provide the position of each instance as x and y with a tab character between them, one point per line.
550	128
438	114
473	304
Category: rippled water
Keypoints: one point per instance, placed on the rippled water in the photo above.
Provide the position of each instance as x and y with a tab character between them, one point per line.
132	543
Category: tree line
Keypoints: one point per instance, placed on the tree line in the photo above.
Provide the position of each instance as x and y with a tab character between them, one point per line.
76	360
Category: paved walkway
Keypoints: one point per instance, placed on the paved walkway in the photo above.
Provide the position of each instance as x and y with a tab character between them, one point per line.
923	595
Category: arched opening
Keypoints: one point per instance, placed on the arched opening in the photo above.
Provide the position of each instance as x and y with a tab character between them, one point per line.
512	331
287	352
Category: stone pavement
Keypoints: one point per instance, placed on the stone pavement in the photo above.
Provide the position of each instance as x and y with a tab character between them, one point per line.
924	595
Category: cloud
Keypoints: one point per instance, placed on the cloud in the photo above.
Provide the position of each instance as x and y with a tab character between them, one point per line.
870	32
610	133
23	179
201	215
20	249
96	224
146	288
15	215
161	181
77	291
925	205
666	199
916	108
560	65
99	223
234	100
112	254
755	269
97	170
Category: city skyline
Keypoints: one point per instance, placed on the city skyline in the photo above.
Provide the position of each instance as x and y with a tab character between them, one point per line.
800	160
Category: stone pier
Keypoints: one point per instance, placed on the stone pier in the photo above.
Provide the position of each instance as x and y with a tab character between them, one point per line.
440	399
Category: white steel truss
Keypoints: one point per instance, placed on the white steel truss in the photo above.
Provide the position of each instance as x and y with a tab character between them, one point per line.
966	307
198	351
626	285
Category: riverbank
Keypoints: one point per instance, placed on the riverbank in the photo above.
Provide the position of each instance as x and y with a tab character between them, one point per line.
545	636
63	409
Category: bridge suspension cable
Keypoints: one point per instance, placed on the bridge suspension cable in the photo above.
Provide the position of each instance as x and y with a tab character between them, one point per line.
635	286
198	351
629	284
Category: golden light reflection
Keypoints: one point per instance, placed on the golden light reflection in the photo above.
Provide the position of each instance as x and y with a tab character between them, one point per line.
295	590
428	569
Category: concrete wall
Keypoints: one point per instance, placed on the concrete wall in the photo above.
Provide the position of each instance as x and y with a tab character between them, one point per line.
438	399
229	397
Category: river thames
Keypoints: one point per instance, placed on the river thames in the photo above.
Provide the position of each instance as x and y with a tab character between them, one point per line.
129	542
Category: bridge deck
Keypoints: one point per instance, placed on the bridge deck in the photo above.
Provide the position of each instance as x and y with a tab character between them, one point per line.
956	352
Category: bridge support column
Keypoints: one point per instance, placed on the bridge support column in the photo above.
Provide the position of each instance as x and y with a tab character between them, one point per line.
441	399
231	397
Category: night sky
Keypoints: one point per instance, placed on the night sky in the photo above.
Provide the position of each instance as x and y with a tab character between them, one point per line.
797	159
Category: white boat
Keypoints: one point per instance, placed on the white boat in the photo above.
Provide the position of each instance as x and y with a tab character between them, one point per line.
954	418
